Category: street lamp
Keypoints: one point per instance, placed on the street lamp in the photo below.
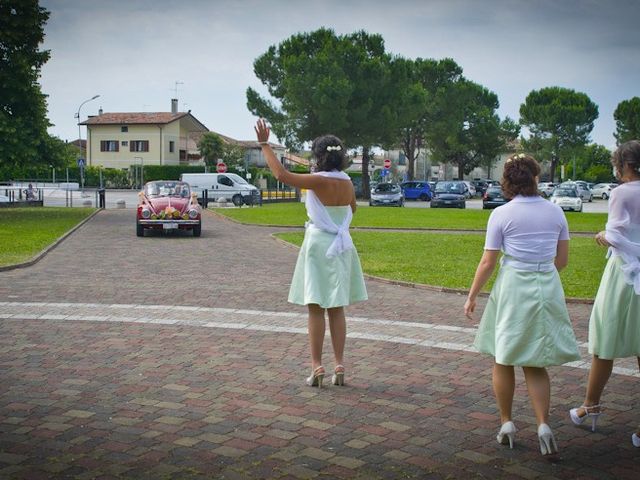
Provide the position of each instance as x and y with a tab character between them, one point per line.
80	139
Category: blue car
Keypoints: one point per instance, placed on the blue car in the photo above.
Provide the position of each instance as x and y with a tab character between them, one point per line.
416	190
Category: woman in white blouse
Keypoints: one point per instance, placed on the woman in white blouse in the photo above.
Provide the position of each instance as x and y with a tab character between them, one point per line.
614	327
525	322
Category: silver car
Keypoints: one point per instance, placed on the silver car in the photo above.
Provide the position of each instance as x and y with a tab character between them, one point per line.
583	189
603	190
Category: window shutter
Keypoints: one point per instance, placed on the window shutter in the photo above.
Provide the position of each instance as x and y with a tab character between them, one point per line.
145	146
132	144
117	145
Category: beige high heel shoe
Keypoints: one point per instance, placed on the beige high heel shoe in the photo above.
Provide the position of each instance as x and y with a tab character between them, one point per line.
338	376
316	378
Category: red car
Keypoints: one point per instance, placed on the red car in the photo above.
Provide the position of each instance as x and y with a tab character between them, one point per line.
168	205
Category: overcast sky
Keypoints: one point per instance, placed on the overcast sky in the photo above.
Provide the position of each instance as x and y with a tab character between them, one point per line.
132	52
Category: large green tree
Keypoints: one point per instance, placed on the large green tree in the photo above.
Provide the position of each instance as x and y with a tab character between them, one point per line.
627	117
328	83
421	86
23	111
468	131
211	147
559	120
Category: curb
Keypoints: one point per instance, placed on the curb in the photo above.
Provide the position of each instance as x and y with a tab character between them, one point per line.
50	247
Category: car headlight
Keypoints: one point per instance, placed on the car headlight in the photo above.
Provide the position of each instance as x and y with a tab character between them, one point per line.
193	213
146	213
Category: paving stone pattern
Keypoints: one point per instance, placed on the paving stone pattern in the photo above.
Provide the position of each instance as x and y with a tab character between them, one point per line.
178	357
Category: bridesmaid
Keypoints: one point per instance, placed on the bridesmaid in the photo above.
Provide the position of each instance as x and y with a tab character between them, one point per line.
328	275
525	322
614	327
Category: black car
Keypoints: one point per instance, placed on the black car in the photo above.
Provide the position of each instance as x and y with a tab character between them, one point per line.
493	197
481	186
449	195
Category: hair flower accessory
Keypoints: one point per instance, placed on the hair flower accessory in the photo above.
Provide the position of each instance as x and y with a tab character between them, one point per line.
335	148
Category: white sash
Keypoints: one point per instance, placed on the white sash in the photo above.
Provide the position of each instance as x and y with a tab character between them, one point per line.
321	219
629	252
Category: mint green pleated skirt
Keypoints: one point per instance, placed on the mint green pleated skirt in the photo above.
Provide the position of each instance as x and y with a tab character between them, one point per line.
526	322
329	282
614	327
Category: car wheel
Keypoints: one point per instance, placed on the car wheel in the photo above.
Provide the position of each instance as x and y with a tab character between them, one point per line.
197	230
580	209
605	196
237	200
464	205
590	198
424	197
484	207
139	230
370	204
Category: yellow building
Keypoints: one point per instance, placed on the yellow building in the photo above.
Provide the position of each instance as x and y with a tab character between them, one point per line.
119	140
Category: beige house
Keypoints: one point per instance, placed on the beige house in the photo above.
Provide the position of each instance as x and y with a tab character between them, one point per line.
119	140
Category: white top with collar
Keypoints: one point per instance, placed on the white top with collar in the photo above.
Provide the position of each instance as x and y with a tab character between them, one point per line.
527	229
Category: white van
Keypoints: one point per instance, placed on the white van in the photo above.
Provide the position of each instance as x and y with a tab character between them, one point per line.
229	186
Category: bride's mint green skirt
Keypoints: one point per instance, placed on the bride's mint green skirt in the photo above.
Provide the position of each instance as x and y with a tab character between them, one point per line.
614	327
526	322
328	282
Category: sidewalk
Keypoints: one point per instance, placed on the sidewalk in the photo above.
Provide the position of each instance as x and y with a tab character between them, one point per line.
110	370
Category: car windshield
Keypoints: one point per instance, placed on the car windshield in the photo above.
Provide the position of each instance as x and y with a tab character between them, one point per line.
387	188
565	192
449	187
166	189
237	178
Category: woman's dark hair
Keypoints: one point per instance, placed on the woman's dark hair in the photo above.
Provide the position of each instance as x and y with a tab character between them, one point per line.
629	153
519	176
329	153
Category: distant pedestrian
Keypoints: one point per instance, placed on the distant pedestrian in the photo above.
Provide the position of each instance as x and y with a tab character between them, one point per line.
525	322
614	327
30	193
328	275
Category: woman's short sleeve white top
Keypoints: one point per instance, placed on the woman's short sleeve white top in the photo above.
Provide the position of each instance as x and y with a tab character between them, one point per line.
527	229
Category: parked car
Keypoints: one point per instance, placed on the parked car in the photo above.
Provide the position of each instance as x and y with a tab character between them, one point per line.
546	188
481	185
449	194
603	190
387	194
418	190
567	198
229	186
583	190
493	197
471	190
168	206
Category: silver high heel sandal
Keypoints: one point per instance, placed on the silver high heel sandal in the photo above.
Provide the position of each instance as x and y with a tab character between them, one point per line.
592	411
547	441
316	378
507	434
338	376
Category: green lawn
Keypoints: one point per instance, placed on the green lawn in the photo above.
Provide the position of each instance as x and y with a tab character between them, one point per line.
450	260
25	232
388	217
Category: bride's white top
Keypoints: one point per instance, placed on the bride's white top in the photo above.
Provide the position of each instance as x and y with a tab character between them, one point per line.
321	219
623	230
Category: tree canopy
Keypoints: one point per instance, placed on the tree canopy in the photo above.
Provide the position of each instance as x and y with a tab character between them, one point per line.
211	148
23	110
627	117
559	120
327	83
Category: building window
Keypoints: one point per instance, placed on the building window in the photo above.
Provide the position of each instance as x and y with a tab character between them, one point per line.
139	146
172	146
109	146
124	129
125	143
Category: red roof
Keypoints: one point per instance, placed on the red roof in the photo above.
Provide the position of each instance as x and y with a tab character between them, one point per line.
134	118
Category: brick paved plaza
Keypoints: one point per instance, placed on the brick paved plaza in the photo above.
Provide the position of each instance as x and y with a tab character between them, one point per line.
179	357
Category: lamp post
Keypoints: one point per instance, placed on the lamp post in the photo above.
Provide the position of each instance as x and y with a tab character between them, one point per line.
81	164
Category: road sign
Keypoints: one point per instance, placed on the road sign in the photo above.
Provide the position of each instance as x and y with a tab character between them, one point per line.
387	163
384	172
81	162
221	167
